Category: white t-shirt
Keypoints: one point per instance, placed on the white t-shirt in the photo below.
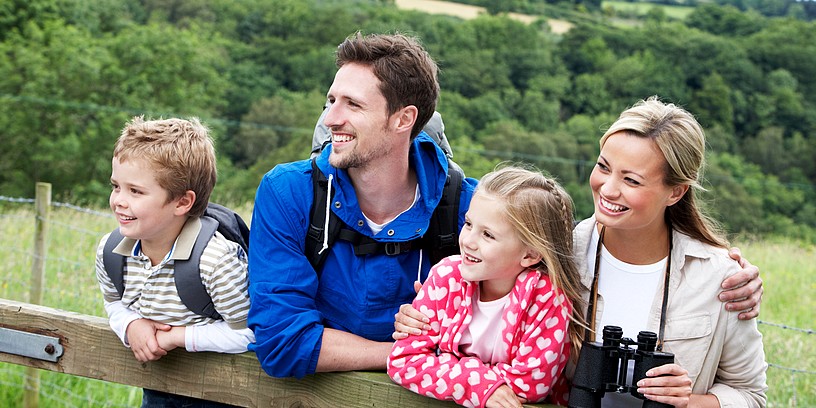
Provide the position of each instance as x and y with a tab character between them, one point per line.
628	292
482	338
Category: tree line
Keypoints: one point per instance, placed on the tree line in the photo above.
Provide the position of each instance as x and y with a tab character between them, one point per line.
256	72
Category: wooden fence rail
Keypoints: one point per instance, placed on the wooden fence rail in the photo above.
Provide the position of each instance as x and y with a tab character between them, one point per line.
92	350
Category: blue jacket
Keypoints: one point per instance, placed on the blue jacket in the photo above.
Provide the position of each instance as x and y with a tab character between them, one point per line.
289	307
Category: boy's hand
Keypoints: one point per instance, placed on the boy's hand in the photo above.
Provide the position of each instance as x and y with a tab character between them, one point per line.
169	340
141	334
743	290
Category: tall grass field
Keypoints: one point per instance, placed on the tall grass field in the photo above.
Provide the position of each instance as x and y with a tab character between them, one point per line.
786	321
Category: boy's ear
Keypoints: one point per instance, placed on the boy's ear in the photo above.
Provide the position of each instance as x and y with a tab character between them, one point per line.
531	258
185	202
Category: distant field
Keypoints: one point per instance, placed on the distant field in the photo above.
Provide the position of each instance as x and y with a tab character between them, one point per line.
641	8
466	11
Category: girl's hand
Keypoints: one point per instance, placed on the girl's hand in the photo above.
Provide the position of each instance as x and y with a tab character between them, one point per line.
504	397
409	321
669	384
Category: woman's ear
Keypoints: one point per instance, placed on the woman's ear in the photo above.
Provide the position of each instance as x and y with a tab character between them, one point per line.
185	202
530	258
677	193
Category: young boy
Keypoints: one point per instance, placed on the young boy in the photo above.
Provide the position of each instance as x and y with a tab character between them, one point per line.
163	172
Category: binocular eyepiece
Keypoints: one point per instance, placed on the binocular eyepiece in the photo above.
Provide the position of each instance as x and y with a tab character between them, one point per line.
603	367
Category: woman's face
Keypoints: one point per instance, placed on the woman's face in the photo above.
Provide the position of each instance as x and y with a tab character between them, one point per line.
628	184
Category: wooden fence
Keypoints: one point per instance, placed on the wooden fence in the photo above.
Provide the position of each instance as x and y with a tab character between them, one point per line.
90	349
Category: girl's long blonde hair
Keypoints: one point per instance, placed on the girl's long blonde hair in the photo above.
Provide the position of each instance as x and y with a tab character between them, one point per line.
540	210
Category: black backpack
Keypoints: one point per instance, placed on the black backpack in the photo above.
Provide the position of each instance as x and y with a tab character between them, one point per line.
441	239
186	273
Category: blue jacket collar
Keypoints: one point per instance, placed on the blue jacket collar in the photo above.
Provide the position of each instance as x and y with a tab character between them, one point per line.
431	167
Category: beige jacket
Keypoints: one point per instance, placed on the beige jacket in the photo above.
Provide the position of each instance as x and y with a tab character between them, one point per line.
723	355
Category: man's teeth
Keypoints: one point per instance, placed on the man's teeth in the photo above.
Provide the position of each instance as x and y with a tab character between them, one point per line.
613	207
128	218
342	138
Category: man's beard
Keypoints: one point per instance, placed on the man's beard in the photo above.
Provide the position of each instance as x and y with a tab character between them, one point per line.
356	158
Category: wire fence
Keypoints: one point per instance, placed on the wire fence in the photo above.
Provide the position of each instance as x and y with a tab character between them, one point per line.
71	285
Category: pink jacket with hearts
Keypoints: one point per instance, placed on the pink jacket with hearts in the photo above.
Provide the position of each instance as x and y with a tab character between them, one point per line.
534	331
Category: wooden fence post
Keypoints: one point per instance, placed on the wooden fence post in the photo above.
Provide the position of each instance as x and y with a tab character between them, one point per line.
31	393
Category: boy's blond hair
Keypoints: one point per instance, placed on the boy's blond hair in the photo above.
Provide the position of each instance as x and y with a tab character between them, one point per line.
180	152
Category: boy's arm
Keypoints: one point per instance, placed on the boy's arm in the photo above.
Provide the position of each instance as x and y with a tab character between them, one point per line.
142	336
119	317
218	337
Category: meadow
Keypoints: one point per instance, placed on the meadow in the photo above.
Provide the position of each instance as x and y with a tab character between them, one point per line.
640	8
787	315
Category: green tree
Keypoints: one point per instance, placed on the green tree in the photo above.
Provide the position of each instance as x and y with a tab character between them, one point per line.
712	103
273	123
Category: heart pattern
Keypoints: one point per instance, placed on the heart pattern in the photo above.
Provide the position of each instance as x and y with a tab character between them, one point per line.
532	335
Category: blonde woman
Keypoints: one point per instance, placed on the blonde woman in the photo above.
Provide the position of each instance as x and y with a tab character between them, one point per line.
653	261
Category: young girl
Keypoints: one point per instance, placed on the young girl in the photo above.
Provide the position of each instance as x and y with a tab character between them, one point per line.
651	260
497	314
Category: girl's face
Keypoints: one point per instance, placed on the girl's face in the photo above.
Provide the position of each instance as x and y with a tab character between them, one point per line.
492	252
140	204
627	184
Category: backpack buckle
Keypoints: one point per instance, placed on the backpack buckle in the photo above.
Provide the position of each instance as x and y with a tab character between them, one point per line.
392	248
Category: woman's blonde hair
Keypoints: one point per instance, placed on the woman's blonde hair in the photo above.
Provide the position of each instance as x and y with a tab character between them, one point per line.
681	140
180	151
540	211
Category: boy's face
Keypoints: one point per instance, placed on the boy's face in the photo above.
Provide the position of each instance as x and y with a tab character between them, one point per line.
140	204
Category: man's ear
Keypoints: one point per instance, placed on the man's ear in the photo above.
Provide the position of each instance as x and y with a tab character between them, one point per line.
531	258
185	202
404	119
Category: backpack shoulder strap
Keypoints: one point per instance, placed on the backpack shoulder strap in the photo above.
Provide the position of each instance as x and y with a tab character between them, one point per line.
114	263
443	230
318	227
230	224
187	274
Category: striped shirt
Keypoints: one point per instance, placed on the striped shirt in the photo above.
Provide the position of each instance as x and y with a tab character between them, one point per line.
151	292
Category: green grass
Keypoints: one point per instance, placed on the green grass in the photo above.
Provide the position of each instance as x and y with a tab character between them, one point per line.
787	268
641	8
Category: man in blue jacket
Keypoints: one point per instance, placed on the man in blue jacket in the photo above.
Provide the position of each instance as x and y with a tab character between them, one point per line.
387	177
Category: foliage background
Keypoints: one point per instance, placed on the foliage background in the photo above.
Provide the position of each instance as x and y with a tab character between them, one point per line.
72	72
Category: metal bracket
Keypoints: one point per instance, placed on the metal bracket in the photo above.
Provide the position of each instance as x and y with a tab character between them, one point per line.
30	345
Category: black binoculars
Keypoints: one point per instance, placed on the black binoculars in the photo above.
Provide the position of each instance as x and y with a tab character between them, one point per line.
603	367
